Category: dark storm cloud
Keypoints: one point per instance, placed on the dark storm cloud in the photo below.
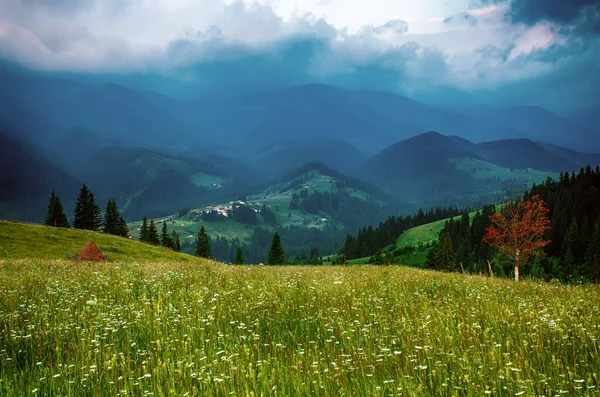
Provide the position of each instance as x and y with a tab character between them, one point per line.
299	60
560	11
584	14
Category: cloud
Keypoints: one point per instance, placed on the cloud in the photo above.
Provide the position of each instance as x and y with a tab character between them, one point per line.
559	11
463	17
216	45
391	27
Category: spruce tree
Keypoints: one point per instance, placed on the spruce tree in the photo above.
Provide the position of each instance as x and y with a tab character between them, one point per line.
144	230
123	229
88	215
276	253
112	218
56	216
176	242
432	260
239	257
592	256
165	239
153	233
203	244
446	253
81	218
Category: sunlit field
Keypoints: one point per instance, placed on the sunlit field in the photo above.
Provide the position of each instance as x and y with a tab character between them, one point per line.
79	329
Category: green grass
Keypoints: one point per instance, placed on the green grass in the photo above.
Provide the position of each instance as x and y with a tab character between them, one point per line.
421	234
202	179
483	170
208	330
19	241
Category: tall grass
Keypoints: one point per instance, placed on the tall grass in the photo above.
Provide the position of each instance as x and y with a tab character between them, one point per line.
74	329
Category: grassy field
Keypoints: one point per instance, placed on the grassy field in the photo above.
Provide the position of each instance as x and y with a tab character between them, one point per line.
163	329
18	241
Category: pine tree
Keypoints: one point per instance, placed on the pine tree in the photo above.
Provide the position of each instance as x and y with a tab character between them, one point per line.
88	215
176	242
276	253
123	229
592	256
81	218
144	230
432	261
96	213
239	257
446	253
165	239
203	244
56	216
112	218
153	233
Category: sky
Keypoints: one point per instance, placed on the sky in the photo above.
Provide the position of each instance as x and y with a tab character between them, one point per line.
538	52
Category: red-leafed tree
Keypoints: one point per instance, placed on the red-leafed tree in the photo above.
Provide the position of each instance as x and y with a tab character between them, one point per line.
518	230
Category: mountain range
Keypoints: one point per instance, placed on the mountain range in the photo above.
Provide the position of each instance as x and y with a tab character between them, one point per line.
156	153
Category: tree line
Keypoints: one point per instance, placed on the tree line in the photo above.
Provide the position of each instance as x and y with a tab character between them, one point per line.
368	241
276	254
149	234
87	214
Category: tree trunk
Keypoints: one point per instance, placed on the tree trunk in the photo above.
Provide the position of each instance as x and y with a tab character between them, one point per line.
517	266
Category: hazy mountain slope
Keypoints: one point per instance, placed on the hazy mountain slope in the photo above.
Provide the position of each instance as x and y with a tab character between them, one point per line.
522	154
417	167
432	169
27	178
587	117
535	123
579	159
318	111
428	118
145	182
279	158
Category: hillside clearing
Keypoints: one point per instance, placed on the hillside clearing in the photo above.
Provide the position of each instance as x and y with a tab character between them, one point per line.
21	241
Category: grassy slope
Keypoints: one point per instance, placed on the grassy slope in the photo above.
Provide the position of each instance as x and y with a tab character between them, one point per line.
482	170
423	234
20	241
163	329
278	201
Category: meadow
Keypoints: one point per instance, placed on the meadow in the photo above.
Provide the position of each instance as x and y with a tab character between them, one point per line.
199	329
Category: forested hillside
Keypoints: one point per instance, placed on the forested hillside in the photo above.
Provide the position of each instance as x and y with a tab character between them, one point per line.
573	253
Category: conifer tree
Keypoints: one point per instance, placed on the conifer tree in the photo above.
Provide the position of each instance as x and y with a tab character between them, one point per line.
432	260
87	214
55	216
203	244
176	242
112	218
276	253
123	229
153	233
144	231
446	256
239	257
165	239
96	213
592	256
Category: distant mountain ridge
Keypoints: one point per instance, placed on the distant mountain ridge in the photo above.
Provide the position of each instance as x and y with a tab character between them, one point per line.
431	168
